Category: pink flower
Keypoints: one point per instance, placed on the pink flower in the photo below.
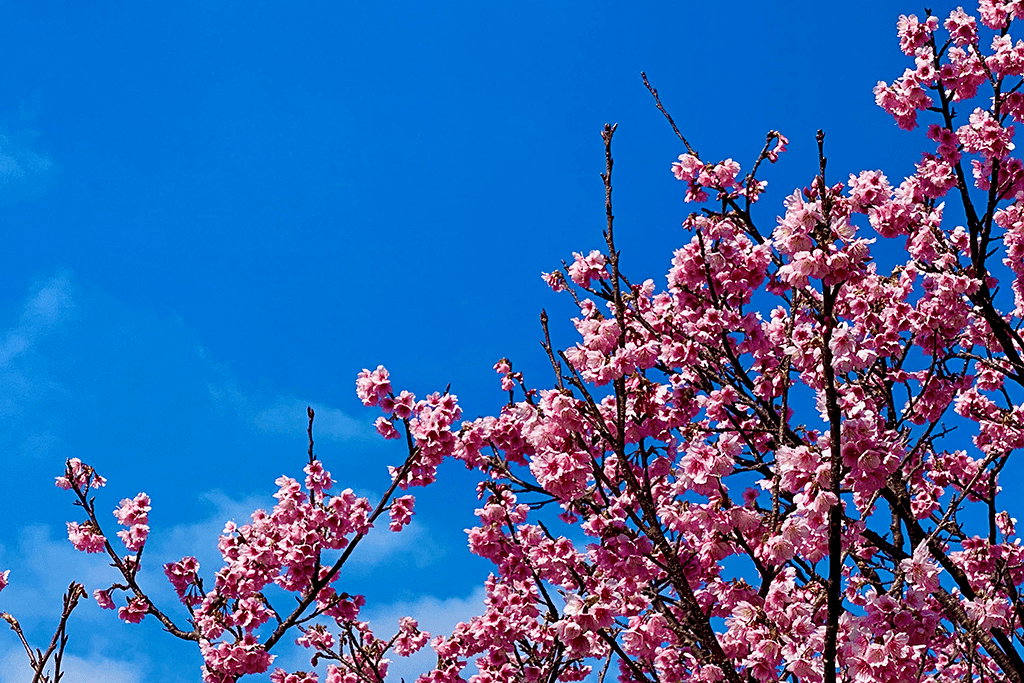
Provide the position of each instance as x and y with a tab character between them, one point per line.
903	99
133	510
85	537
780	146
134	611
103	599
555	280
403	405
386	429
316	637
937	176
225	662
371	386
81	475
134	537
587	268
720	176
870	188
250	613
687	167
1006	524
962	27
993	13
986	136
948	143
318	479
182	574
920	570
914	34
281	676
401	512
1008	58
963	73
409	639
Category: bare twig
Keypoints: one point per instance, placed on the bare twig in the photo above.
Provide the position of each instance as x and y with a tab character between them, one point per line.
37	658
657	100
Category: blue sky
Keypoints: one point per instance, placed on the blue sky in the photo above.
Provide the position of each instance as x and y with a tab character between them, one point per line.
218	213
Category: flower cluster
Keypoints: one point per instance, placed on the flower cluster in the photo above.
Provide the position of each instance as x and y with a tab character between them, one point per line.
233	618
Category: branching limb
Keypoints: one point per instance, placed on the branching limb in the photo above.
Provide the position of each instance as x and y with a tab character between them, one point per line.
38	659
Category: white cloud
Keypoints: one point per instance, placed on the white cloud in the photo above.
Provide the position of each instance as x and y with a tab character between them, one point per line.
24	172
43	563
284	415
435	615
288	416
14	668
51	303
413	544
438	616
199	539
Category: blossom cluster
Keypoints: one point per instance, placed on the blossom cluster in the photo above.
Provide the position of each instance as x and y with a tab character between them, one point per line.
233	619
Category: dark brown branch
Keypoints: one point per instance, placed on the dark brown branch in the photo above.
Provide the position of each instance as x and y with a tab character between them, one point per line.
309	431
835	513
672	123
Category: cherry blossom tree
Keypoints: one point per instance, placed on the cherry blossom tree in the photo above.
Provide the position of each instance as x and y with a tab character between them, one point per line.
783	464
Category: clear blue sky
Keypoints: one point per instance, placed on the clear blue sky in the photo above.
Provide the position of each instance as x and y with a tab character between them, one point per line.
217	213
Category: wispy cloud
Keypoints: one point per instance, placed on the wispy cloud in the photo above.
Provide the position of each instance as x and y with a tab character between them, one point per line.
414	545
284	415
438	616
14	668
288	416
50	305
199	538
25	172
44	563
51	302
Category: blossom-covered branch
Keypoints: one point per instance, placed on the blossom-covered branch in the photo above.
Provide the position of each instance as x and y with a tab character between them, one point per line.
299	546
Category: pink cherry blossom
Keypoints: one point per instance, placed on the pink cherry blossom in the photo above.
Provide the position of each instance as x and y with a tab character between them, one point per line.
279	675
103	599
401	512
85	537
386	428
410	639
914	34
79	474
134	611
371	386
962	27
584	269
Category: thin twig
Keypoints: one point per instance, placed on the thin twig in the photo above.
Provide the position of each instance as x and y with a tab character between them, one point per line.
672	123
